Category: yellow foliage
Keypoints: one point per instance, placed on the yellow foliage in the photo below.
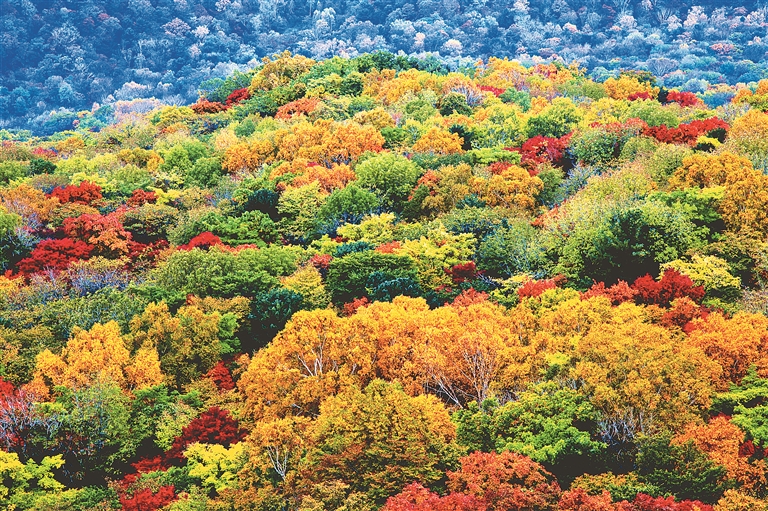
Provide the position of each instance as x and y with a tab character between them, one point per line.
95	354
625	86
280	70
438	141
513	188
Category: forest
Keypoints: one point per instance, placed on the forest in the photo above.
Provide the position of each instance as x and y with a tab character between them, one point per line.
59	57
374	283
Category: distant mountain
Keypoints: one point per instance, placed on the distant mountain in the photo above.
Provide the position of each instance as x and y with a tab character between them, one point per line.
67	54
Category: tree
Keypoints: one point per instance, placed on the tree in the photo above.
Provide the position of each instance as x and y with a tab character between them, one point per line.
317	355
348	276
54	254
390	176
188	343
680	469
505	481
99	354
553	426
378	439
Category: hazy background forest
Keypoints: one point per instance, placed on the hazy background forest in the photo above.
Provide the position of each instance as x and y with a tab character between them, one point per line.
62	56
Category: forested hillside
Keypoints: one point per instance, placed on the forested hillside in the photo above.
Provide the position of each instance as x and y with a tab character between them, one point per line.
59	57
374	284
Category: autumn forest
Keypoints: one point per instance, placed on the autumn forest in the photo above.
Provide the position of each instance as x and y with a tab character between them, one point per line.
383	283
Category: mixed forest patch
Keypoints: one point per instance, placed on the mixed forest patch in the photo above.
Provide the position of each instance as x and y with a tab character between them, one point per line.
363	284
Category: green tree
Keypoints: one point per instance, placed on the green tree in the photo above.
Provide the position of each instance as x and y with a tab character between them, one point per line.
348	275
390	176
682	470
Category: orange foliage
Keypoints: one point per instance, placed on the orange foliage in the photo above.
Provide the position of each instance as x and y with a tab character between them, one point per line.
735	344
721	440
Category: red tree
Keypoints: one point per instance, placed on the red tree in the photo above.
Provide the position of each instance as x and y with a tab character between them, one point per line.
216	426
146	500
55	255
84	193
204	240
671	286
415	497
238	95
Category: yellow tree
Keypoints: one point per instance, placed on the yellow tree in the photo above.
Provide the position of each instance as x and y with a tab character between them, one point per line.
641	378
513	188
315	356
188	342
99	353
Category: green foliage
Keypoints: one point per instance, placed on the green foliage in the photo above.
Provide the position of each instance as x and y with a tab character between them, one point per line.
10	170
350	204
205	172
512	250
389	176
555	120
627	242
348	275
221	273
682	470
270	311
747	403
652	113
517	97
454	102
551	425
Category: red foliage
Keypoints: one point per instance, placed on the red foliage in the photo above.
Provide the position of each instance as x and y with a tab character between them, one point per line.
495	90
140	197
580	500
301	106
415	497
104	232
351	307
617	293
47	154
204	240
238	95
145	500
321	261
671	286
54	254
639	95
686	133
6	388
498	167
84	193
683	98
469	297
749	450
505	481
462	272
203	106
141	255
534	288
216	426
389	248
645	502
682	313
221	376
540	149
150	465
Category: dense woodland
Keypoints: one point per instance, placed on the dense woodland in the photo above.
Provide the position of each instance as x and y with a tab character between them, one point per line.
374	284
61	56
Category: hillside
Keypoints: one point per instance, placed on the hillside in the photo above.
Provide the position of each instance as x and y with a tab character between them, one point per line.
374	284
60	57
